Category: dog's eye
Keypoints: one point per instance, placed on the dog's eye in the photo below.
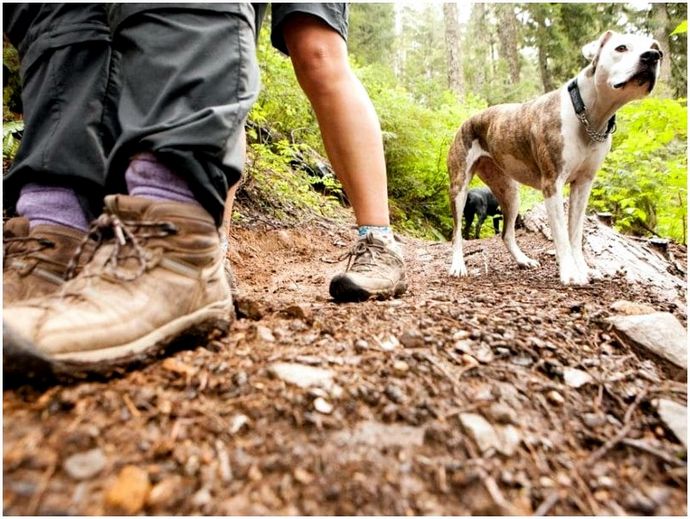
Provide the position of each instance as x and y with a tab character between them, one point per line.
621	48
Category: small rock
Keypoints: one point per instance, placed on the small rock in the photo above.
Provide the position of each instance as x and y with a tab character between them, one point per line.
176	366
298	312
395	393
522	360
545	482
480	430
464	346
483	353
237	422
380	435
191	467
509	439
302	476
629	308
361	345
593	420
412	339
202	497
302	375
248	308
165	493
460	335
130	491
659	332
675	416
322	406
388	343
555	397
502	413
85	465
576	377
265	334
400	368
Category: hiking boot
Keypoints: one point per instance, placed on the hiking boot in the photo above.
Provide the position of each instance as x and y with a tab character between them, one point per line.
373	269
35	261
155	274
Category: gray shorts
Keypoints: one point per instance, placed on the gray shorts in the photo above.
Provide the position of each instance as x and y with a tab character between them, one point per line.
334	15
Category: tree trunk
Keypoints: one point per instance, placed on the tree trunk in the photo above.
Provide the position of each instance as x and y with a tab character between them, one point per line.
452	33
661	26
508	37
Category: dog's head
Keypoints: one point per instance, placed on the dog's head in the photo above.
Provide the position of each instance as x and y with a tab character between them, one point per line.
627	64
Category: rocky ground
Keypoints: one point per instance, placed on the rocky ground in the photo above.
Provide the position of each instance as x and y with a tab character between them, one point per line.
502	393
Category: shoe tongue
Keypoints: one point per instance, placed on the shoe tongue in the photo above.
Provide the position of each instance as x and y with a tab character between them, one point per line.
136	207
127	207
16	227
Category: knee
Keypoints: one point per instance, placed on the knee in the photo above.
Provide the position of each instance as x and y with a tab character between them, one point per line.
319	65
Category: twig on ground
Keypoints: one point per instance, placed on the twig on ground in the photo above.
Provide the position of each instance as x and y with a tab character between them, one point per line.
547	504
32	509
644	446
627	425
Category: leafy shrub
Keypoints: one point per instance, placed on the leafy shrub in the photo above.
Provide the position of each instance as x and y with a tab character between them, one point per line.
643	181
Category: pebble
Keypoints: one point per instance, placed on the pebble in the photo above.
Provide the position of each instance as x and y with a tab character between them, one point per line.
302	375
555	398
237	422
165	493
400	367
522	360
380	435
176	366
630	308
483	353
502	413
480	430
265	334
412	339
576	377
593	420
323	406
361	345
202	497
388	343
298	312
85	465
395	393
675	416
129	492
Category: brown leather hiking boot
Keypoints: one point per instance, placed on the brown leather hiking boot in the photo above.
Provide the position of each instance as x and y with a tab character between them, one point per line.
156	274
374	269
35	261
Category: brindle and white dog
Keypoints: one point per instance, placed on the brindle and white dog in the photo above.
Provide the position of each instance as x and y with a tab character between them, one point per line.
561	137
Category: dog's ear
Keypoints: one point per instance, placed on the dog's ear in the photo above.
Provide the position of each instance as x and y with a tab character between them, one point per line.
592	49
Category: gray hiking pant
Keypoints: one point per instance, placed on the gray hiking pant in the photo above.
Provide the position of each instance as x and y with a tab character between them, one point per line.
102	82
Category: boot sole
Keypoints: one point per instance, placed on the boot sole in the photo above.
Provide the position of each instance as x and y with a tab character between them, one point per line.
345	290
184	332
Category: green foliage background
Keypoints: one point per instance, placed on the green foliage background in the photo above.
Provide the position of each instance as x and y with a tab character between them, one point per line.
643	181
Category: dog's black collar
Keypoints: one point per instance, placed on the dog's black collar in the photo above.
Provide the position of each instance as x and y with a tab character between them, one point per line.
580	111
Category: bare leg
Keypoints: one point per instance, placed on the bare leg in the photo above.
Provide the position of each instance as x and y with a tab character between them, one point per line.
348	122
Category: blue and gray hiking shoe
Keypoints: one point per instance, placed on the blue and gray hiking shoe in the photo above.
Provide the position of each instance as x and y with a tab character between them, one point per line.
375	268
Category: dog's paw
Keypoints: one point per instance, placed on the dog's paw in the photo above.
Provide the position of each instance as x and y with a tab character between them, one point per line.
527	263
457	271
576	278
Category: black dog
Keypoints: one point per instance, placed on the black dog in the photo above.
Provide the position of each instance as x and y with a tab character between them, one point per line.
481	202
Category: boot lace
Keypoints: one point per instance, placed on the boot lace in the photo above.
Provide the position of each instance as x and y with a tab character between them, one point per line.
24	246
107	229
367	256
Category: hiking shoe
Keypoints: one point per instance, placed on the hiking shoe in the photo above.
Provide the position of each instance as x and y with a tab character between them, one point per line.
35	261
373	269
155	274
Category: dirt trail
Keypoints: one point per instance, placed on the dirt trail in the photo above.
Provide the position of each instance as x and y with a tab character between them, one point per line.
388	430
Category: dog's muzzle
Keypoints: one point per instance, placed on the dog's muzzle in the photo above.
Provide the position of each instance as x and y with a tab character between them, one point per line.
647	73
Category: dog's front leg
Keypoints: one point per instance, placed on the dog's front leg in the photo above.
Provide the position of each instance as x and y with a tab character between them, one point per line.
569	272
579	195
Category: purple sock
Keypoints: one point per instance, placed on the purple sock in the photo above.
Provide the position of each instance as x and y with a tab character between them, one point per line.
51	205
149	178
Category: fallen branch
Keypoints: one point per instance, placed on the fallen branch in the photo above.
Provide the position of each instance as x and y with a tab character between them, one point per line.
646	447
